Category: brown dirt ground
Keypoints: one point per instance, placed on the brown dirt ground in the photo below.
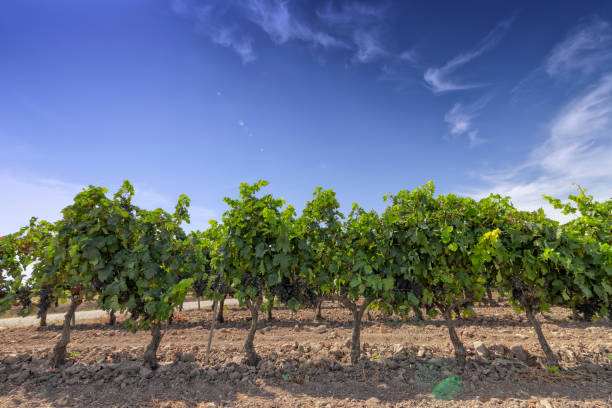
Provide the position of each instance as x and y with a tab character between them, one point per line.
305	363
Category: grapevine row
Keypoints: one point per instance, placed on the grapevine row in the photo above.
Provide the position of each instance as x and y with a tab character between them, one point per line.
441	252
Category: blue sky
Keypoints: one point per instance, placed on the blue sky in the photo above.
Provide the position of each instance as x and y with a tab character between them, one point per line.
367	98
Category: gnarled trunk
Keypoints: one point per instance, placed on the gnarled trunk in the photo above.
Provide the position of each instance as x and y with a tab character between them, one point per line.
417	312
357	312
150	354
270	305
198	303
59	351
249	348
551	358
460	353
112	318
318	315
489	296
43	318
220	318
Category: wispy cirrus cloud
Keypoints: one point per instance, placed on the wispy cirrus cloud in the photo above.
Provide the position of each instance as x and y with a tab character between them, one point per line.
369	47
213	20
337	25
242	45
275	18
586	49
460	120
361	23
438	79
578	150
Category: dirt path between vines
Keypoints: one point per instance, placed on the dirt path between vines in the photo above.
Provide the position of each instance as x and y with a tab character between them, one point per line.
88	315
305	363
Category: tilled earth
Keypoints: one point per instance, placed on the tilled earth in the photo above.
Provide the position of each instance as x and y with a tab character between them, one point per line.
306	363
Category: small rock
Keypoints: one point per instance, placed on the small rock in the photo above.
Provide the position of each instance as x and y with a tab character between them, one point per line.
372	402
20	376
569	354
545	403
321	329
481	349
421	352
72	370
336	352
500	349
520	353
146	372
591	368
398	349
194	373
11	359
188	357
235	376
392	364
316	347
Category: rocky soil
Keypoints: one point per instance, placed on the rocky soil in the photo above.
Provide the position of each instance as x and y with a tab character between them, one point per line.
306	363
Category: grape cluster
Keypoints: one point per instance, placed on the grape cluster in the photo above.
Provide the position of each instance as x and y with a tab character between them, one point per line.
46	299
286	290
24	294
518	290
309	297
405	286
199	286
254	281
97	285
297	289
138	311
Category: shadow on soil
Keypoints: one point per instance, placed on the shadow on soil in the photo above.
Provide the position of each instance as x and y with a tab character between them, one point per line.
176	385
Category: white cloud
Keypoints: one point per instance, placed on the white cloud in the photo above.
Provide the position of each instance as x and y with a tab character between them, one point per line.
409	56
242	45
210	20
438	78
577	151
349	26
45	198
474	139
460	120
275	18
369	47
585	49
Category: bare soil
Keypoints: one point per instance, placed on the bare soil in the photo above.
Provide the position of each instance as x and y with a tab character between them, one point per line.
306	363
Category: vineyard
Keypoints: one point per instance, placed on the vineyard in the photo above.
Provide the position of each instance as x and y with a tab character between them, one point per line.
439	299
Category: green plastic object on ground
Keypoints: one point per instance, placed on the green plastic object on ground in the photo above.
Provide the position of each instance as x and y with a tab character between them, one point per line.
447	389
